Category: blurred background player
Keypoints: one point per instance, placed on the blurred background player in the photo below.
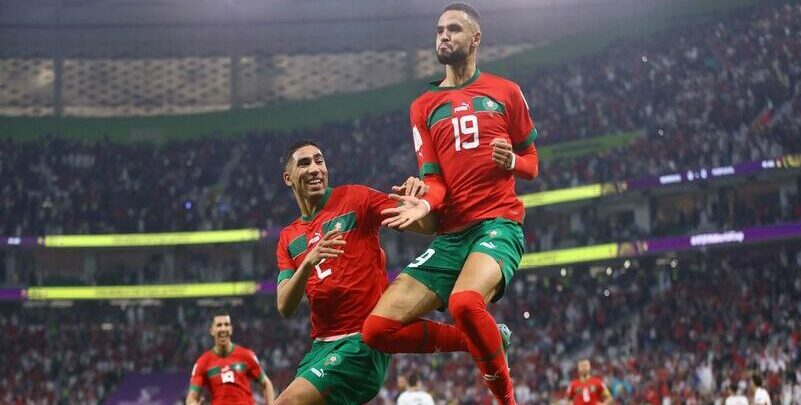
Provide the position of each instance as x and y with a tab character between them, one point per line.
735	397
587	389
472	136
414	394
227	369
761	396
333	255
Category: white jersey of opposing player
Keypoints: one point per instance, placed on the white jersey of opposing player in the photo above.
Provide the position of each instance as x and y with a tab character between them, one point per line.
736	400
415	397
761	397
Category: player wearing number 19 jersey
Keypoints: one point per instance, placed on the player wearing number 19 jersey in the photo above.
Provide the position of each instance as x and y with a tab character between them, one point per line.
453	127
333	256
472	136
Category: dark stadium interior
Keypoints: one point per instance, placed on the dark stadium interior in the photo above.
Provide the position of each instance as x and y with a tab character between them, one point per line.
720	89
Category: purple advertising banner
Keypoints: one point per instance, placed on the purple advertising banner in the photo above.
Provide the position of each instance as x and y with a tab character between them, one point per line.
747	235
11	294
150	389
20	241
711	173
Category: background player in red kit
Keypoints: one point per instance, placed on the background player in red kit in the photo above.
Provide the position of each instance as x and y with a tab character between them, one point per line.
227	369
332	254
472	136
588	389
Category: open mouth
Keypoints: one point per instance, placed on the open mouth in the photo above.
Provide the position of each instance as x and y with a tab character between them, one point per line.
318	182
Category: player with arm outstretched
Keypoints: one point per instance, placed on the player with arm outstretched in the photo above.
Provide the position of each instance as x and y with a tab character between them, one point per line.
473	136
332	255
227	369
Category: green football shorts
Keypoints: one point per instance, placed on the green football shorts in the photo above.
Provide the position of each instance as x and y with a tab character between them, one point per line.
440	265
345	371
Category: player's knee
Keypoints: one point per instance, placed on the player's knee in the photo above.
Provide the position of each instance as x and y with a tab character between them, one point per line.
377	332
464	304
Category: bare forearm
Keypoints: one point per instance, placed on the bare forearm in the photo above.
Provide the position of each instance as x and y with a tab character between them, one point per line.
268	392
291	291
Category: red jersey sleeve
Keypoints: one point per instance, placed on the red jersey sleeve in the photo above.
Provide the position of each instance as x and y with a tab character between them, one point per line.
197	380
569	392
521	126
374	202
254	368
427	159
285	266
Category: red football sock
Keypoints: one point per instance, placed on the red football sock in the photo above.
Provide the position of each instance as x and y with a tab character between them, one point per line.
420	336
483	342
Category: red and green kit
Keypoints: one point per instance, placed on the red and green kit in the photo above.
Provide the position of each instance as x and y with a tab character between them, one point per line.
341	291
453	128
227	377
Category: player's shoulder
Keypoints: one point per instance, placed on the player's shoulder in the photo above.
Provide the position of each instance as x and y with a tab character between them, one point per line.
205	357
290	230
349	189
244	351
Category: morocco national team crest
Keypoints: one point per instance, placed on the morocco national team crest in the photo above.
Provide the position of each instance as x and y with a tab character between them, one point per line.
333	360
490	105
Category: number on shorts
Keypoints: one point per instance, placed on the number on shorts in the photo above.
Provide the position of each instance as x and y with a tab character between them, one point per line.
422	258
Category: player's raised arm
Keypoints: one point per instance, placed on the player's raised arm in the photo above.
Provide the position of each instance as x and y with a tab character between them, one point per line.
521	156
292	284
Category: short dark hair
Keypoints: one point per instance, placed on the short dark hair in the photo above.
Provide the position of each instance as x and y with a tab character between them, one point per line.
219	312
733	387
470	10
413	377
757	379
292	148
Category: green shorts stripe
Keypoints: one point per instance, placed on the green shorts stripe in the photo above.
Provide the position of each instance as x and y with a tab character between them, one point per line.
439	266
345	371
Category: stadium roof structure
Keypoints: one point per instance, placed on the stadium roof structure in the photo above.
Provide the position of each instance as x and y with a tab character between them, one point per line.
175	28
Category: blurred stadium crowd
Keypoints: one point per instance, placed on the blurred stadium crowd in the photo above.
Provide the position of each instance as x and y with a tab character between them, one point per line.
748	320
713	94
707	95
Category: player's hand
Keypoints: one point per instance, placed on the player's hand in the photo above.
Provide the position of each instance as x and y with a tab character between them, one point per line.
412	209
502	153
413	186
329	247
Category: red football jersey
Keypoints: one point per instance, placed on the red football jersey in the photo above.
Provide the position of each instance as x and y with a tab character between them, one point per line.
452	128
227	377
341	291
587	392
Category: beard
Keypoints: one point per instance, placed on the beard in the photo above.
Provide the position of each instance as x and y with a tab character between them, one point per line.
455	57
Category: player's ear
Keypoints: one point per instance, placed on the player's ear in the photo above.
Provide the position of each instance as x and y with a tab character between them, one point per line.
287	179
476	38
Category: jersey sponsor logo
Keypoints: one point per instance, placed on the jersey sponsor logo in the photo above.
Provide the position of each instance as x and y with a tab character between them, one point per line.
462	107
319	373
333	360
314	239
488	245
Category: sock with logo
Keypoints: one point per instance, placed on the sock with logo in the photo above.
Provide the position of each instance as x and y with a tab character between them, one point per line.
483	342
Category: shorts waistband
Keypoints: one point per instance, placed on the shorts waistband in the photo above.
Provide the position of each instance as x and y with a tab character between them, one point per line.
335	337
